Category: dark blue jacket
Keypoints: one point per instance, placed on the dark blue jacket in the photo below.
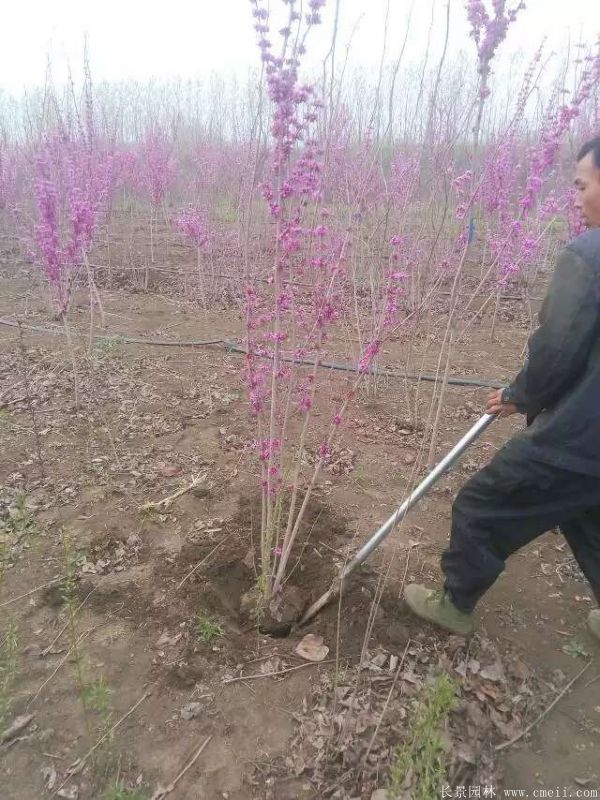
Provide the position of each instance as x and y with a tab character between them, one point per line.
559	386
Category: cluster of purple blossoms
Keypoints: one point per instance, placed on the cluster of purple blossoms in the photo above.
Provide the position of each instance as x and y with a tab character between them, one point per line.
462	185
369	354
156	167
543	157
72	187
47	227
85	188
489	30
403	180
193	224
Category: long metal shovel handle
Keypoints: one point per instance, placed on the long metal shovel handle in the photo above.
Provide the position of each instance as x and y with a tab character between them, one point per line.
373	543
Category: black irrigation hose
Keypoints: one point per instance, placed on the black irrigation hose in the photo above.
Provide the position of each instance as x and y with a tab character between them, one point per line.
385	373
231	347
56	331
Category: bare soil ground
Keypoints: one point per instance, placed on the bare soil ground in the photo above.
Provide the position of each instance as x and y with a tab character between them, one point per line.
73	479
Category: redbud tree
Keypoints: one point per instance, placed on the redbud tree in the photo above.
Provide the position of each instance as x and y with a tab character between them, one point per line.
72	186
295	318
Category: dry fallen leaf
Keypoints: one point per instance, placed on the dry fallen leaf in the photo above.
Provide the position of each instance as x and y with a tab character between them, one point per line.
272	665
167	640
19	724
191	711
466	752
312	648
168	470
493	672
520	670
71	793
50	777
248	560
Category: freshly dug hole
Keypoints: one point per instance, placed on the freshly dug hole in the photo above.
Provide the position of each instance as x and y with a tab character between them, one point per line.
228	586
279	617
312	566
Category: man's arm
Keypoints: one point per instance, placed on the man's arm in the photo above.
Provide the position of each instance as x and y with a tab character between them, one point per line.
559	348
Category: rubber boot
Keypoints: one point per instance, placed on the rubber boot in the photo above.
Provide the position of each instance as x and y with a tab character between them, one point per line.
594	623
436	607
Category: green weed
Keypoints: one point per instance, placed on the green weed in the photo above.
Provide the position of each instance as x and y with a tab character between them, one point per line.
152	513
575	649
110	347
17	523
68	592
421	760
208	629
9	648
16	518
116	791
96	696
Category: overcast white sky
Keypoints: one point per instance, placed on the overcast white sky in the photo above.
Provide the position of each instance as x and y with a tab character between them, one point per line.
145	39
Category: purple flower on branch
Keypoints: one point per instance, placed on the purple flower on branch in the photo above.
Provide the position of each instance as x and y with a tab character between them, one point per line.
193	224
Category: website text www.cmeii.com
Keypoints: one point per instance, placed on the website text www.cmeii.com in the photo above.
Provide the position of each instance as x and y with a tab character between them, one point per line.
543	793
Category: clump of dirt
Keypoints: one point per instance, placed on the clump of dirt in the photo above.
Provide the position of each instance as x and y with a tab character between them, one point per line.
130	591
223	594
280	615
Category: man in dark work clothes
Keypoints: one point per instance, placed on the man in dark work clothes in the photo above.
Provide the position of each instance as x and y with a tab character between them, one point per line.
547	475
